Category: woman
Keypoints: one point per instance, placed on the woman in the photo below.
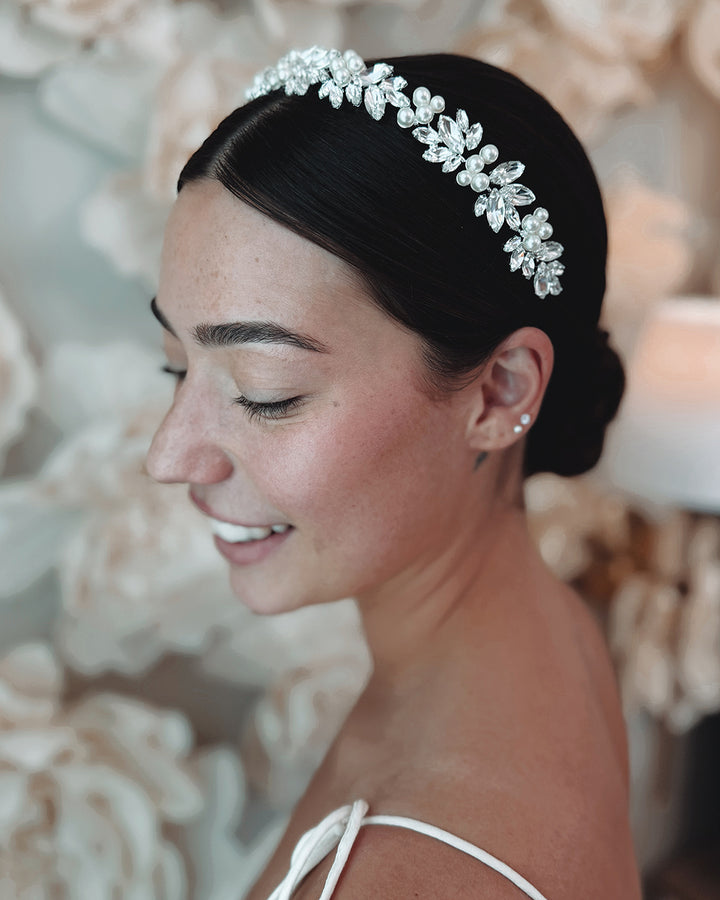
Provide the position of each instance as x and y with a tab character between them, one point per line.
367	371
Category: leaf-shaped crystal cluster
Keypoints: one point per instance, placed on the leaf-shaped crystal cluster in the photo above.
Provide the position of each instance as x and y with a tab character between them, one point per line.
453	143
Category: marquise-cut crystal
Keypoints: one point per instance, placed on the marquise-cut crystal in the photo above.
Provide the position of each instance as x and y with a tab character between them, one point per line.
453	163
516	260
395	97
481	205
474	136
354	93
324	89
379	72
437	154
374	101
546	281
549	250
426	135
541	283
507	172
518	194
392	88
528	266
297	85
336	95
451	134
461	117
512	217
495	210
512	243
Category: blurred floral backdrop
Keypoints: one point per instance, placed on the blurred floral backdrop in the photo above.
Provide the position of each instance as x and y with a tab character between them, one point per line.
143	712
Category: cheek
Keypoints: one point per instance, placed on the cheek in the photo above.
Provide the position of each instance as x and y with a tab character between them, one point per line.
369	467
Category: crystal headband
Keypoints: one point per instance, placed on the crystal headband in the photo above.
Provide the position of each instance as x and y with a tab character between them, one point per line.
345	75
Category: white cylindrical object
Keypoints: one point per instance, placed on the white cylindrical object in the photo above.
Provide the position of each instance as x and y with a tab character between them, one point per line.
665	445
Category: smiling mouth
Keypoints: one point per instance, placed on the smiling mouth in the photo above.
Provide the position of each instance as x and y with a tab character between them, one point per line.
243	534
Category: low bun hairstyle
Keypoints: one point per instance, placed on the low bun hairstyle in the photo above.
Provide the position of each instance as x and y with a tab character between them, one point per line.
361	189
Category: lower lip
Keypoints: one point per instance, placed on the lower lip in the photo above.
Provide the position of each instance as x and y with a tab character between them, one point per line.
248	552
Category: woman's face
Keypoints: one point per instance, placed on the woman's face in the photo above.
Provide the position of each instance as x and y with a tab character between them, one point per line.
306	409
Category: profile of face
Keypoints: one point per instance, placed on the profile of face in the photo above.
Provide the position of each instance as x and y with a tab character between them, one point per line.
300	406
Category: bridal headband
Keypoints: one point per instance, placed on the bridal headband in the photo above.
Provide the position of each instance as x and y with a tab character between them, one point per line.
345	75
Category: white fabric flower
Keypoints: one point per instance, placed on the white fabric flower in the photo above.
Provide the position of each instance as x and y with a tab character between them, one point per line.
155	108
223	868
301	24
88	790
126	224
702	44
313	663
215	61
194	95
296	721
563	514
26	48
259	650
636	29
599	47
18	379
650	254
664	625
104	96
139	573
83	19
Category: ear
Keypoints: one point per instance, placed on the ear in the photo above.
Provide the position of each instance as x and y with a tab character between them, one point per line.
510	386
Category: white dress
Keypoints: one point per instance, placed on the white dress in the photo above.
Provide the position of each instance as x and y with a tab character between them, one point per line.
340	829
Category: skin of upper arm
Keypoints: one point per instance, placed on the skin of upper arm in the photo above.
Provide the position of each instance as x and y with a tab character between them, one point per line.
397	864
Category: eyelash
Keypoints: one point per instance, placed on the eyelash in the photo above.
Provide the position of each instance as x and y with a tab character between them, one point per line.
254	410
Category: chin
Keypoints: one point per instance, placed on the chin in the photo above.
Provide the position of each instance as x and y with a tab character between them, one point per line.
271	599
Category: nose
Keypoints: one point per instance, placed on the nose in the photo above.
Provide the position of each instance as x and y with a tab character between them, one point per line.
185	448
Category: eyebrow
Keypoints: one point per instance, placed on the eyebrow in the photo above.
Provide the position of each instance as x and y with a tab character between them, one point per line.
232	334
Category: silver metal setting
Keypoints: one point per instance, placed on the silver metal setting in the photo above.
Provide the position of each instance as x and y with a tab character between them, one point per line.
453	143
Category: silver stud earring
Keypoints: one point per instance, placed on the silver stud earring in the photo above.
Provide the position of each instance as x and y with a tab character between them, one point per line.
524	419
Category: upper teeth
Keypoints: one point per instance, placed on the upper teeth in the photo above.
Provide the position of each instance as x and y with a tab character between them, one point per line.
235	534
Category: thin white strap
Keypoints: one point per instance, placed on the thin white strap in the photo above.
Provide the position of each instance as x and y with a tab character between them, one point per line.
447	838
341	829
355	823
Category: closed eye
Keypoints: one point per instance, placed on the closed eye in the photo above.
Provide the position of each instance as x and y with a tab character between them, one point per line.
275	410
179	374
254	409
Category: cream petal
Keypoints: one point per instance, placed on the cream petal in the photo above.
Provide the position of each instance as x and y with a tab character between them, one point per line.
27	49
110	809
35	749
18	378
702	43
13	791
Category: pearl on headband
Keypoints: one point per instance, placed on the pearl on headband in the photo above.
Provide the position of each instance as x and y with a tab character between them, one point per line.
345	76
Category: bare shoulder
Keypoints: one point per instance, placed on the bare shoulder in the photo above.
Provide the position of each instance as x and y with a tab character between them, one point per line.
602	683
524	759
537	778
398	863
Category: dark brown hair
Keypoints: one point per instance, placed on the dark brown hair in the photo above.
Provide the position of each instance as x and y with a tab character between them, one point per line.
361	189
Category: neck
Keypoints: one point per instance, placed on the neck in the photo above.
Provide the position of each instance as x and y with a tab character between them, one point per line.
465	598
